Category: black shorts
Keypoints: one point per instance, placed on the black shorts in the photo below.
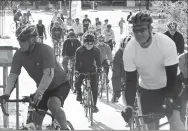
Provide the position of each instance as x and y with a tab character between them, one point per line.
61	92
152	101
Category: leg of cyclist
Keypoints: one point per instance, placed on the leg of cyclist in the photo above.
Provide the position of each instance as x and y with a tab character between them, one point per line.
65	63
56	101
94	89
106	68
78	83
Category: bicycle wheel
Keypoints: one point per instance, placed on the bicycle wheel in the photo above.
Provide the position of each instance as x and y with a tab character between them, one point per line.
13	27
69	125
135	124
85	101
106	87
91	105
101	87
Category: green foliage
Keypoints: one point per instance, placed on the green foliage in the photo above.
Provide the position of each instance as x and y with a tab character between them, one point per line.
177	11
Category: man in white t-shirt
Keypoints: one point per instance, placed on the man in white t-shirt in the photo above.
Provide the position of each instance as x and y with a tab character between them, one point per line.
154	58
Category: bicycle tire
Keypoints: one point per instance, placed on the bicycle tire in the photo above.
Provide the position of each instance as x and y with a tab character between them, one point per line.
106	87
101	87
69	125
13	27
85	101
91	105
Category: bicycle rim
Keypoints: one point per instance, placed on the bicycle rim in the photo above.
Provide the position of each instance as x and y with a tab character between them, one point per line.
85	102
135	124
90	107
106	87
13	27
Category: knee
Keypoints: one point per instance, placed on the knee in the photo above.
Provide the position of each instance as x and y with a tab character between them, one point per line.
54	104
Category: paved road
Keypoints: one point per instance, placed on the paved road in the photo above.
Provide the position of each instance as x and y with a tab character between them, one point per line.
108	117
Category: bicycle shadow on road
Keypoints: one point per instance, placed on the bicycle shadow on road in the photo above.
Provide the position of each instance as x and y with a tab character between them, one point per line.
117	106
99	126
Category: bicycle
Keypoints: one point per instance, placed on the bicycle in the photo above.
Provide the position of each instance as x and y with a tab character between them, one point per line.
103	84
57	49
136	122
13	27
87	97
71	73
30	125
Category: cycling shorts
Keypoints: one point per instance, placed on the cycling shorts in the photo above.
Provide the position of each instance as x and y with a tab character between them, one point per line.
60	92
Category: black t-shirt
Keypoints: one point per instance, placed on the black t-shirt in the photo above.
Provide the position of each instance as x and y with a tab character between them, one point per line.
86	22
40	29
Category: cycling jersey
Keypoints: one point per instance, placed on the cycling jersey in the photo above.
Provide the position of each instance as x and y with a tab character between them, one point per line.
70	47
17	15
105	52
150	62
40	29
85	59
183	65
108	35
41	58
28	15
178	39
57	33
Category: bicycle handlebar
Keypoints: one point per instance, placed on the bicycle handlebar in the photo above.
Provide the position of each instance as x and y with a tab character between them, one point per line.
25	99
88	74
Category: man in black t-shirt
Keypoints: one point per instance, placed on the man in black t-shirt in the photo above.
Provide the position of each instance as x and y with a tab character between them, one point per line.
41	30
86	21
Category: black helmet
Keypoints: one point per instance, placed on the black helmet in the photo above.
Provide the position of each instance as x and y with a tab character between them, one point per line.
25	32
170	24
141	18
72	35
88	37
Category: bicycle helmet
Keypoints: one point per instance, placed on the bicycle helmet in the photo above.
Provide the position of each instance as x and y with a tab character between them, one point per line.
124	41
140	19
172	24
25	32
88	37
72	35
109	26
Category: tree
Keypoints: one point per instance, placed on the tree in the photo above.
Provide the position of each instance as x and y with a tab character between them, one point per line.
176	11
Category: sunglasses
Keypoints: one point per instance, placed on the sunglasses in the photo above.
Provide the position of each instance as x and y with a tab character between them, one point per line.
89	43
101	40
137	30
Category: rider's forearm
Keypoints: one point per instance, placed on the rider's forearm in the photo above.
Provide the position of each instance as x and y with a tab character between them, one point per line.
10	83
48	75
130	87
171	73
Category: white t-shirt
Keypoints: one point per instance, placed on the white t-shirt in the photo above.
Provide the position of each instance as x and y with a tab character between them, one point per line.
183	64
150	62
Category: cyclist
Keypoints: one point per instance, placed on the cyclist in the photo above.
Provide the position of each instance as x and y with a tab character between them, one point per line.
91	29
98	29
176	36
78	28
86	56
17	16
29	15
24	20
97	21
183	65
121	23
104	26
109	36
105	54
57	34
157	79
129	16
118	70
41	30
86	22
69	49
51	80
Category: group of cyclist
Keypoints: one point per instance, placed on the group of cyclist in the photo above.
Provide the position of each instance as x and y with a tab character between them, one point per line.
151	57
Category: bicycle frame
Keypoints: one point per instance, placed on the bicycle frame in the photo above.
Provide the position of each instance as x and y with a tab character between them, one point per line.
71	71
28	99
87	99
57	49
